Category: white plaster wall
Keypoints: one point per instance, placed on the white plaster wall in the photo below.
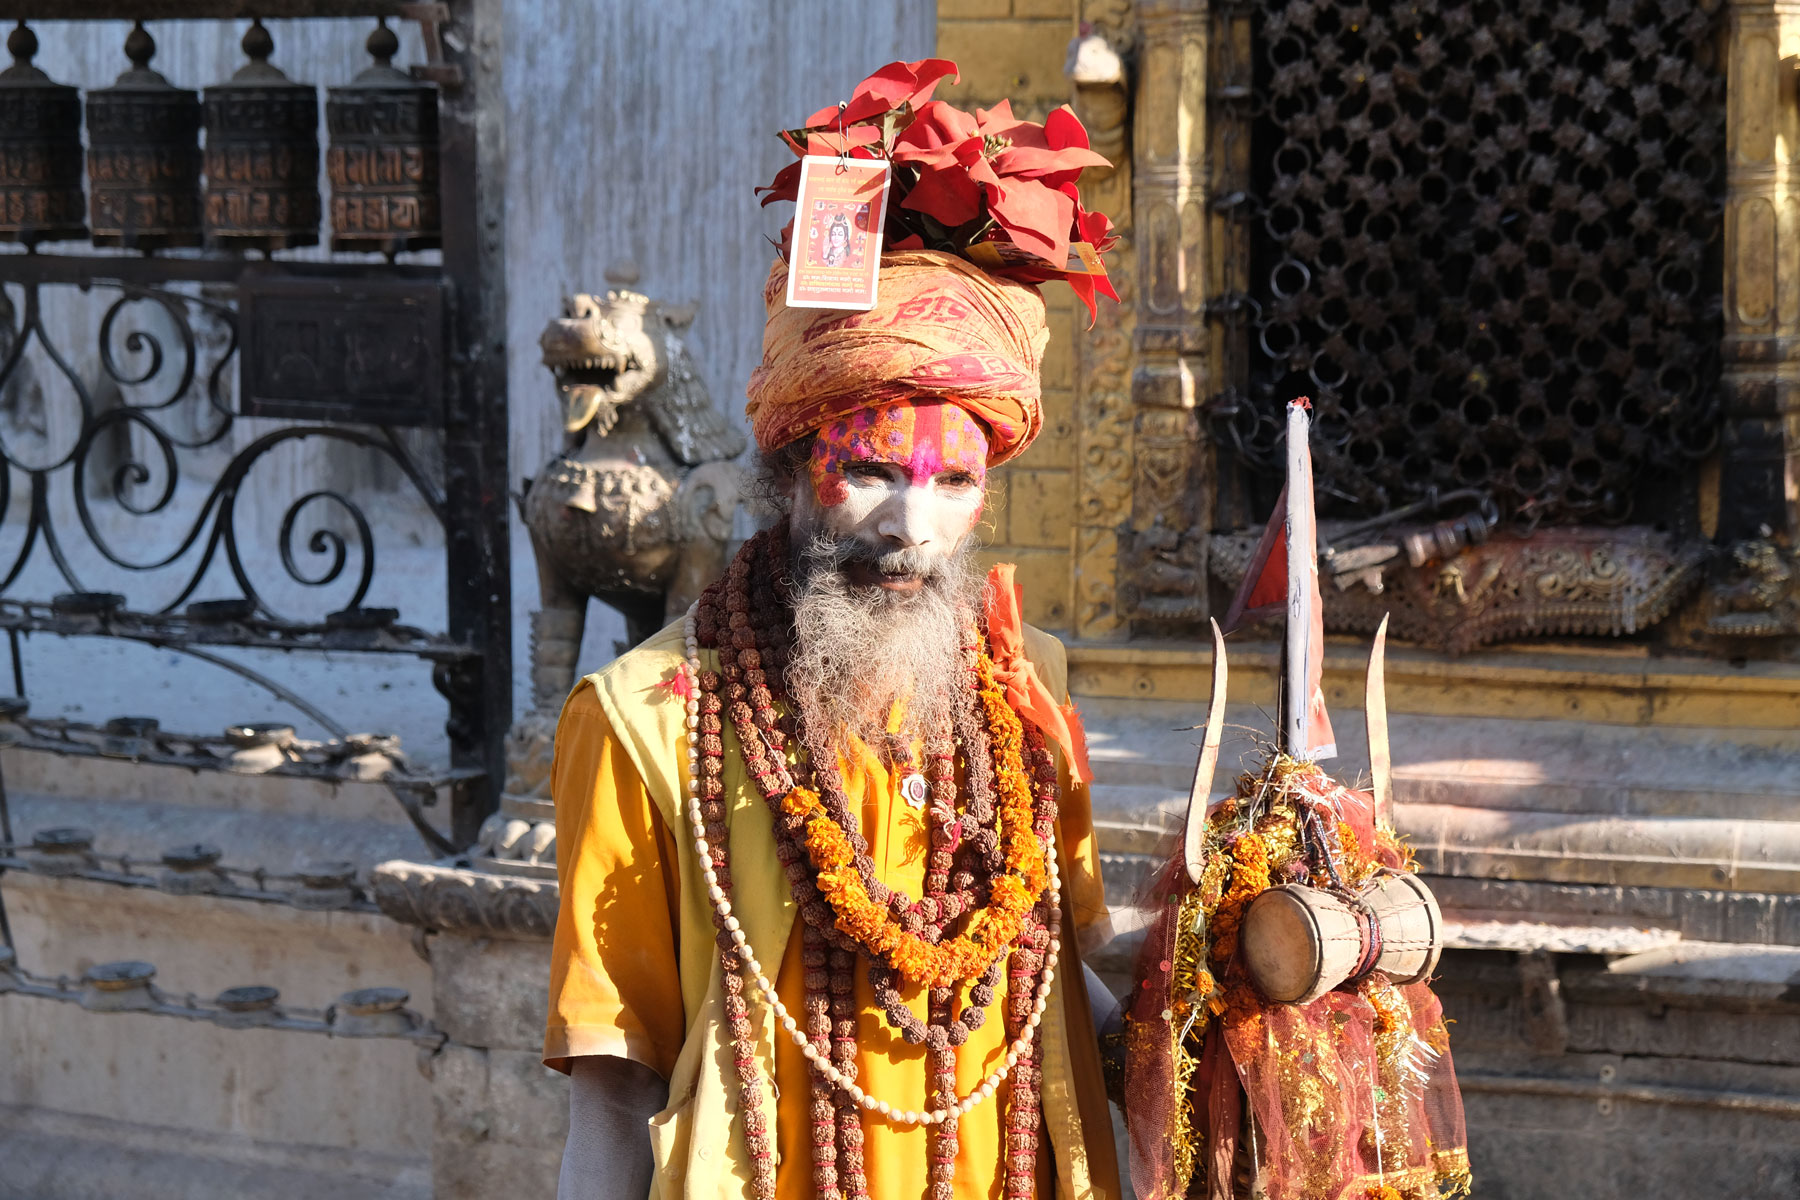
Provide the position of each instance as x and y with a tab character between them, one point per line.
638	131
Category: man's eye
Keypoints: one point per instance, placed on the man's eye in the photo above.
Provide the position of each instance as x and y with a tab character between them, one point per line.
866	470
957	479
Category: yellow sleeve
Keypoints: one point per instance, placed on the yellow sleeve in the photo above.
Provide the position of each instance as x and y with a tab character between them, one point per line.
615	980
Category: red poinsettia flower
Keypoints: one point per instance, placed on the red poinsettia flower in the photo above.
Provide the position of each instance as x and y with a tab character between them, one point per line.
988	185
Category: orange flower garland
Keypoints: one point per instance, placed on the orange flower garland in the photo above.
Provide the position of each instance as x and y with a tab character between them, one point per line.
990	930
1249	879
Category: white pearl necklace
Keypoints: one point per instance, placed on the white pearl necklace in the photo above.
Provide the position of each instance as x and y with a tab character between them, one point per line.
821	1063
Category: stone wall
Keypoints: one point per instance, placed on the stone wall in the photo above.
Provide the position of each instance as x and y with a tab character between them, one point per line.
1660	1076
128	1104
499	1115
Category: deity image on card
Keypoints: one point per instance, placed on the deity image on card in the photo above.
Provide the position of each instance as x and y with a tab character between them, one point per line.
838	235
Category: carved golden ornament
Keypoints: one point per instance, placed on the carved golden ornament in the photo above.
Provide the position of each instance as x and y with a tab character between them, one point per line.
1558	581
1756	595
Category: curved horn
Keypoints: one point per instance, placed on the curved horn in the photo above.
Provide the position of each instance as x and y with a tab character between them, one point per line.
1381	764
1194	841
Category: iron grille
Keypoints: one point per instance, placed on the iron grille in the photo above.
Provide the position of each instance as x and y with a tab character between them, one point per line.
1486	244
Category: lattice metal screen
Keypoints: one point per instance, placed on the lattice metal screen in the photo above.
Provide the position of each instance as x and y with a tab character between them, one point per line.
1487	246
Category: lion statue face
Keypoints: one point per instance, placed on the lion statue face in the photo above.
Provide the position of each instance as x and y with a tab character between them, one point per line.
606	351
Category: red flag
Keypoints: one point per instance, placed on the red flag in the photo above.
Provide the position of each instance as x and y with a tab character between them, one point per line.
1263	593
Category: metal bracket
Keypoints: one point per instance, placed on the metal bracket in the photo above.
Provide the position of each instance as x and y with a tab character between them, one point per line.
369	352
432	18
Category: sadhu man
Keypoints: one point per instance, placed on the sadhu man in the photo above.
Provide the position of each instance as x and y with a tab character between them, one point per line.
825	847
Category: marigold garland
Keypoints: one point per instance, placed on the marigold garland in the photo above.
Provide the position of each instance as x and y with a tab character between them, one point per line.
1249	879
989	930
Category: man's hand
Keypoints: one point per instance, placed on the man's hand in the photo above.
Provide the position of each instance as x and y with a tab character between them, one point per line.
607	1156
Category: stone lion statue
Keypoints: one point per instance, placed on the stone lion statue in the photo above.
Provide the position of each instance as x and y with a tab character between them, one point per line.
637	509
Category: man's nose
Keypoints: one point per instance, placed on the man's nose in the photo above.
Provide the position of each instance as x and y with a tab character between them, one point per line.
906	519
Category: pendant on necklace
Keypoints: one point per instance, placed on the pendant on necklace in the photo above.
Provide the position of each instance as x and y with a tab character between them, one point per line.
914	790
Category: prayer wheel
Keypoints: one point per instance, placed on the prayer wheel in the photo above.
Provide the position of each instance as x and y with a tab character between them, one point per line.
40	151
143	157
383	157
262	155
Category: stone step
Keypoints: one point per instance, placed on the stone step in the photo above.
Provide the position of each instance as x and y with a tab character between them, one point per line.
1502	798
1140	805
1483	762
278	842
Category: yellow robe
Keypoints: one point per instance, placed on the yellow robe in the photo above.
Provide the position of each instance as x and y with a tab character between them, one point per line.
635	972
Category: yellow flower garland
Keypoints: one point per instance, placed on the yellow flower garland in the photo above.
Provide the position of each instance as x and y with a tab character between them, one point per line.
990	930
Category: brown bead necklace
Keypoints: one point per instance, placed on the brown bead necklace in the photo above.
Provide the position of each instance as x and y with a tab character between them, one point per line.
744	619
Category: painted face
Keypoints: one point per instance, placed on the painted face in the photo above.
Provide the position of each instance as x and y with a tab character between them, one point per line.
905	475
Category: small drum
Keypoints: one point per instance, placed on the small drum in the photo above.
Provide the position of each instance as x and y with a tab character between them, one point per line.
1300	942
1412	927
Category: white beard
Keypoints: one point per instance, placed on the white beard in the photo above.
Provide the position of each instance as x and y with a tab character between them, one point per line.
858	651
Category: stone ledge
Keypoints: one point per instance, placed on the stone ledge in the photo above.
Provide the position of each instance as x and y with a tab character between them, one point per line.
1697	914
1612	685
47	1153
454	898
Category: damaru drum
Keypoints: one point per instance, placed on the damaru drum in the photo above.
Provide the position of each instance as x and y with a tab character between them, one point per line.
1301	942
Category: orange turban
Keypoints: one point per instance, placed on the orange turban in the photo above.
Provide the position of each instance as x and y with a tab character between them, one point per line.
943	327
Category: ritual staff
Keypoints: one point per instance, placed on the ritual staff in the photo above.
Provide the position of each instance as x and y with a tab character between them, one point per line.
825	848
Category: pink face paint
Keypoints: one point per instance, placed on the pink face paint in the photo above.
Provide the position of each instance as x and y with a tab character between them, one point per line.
927	438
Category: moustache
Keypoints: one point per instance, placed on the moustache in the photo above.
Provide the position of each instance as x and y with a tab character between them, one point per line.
838	553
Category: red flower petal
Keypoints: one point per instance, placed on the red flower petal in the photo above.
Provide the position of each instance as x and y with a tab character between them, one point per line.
785	185
1095	228
825	118
827	142
1054	167
1037	218
911	241
896	84
914	83
1062	128
999	121
948	195
938	136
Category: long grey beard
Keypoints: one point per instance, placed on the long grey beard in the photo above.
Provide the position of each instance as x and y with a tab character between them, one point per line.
857	651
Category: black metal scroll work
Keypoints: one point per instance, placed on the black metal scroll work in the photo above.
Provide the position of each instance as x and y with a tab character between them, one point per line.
374	346
132	453
1487	247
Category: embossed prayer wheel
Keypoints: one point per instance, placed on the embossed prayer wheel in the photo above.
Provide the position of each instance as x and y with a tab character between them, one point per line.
40	151
383	157
143	157
262	155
